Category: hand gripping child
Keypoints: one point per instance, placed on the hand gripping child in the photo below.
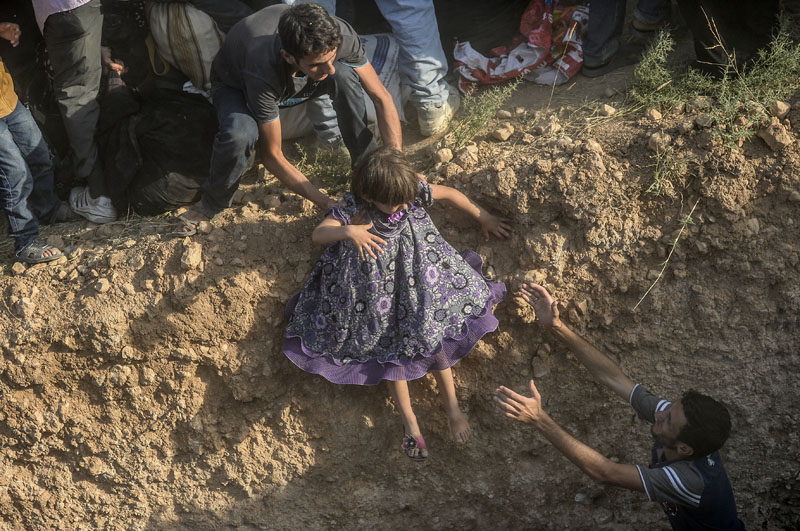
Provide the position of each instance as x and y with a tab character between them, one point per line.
390	299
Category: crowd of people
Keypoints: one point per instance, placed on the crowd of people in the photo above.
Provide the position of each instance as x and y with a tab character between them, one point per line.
389	299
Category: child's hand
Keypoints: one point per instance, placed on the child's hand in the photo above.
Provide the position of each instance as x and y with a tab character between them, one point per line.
10	32
494	225
543	304
365	240
111	64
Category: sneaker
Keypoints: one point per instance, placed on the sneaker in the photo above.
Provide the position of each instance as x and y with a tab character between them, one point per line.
98	210
434	120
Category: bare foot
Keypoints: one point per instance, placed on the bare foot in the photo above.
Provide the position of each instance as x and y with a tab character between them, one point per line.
459	426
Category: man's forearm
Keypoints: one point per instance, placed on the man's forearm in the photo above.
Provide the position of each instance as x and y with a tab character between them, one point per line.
591	462
389	123
597	363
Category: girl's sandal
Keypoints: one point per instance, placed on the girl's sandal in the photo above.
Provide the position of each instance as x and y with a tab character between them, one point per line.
410	443
34	253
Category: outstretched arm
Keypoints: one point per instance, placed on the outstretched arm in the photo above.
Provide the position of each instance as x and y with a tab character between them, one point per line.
592	463
601	367
489	223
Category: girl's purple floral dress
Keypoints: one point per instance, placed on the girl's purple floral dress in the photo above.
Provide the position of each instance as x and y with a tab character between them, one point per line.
419	306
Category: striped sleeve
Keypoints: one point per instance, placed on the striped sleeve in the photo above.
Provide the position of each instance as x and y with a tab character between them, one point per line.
646	403
679	482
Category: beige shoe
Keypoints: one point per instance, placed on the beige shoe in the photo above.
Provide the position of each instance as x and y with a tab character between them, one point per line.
434	120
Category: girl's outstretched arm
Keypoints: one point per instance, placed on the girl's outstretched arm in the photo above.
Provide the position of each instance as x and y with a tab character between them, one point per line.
332	230
489	222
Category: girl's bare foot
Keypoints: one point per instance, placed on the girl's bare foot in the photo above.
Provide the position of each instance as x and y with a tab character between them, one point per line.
459	426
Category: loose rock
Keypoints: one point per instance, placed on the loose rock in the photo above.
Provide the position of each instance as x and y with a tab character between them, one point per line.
102	285
18	268
192	256
504	132
776	136
779	109
703	121
607	110
654	114
503	114
658	142
443	155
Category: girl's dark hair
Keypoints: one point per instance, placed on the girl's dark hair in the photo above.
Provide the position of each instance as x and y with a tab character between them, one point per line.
307	29
385	176
708	423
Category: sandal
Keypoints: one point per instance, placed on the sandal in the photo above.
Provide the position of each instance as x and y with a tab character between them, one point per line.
33	253
410	443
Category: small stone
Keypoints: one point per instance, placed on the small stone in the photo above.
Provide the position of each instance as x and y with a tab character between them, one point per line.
583	307
503	133
685	126
443	155
102	285
776	136
237	261
56	241
595	166
753	225
61	275
452	170
520	111
503	114
779	109
794	196
593	146
701	246
573	316
73	275
218	261
607	110
271	202
654	114
609	92
128	289
703	121
467	157
127	244
546	127
192	256
583	499
658	142
136	262
204	227
18	268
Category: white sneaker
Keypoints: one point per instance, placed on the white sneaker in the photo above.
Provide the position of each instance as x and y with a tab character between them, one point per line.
98	210
434	120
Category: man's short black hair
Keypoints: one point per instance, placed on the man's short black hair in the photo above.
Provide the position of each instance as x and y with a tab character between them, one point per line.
708	423
307	29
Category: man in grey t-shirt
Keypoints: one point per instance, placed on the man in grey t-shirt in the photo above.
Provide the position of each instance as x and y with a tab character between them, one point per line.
686	474
279	57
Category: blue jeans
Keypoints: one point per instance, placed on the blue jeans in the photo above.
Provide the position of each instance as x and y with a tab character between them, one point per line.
237	136
606	19
27	191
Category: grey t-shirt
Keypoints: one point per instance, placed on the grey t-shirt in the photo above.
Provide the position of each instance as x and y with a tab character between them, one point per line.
678	482
250	60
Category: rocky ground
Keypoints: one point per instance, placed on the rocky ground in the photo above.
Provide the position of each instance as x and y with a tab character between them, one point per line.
143	384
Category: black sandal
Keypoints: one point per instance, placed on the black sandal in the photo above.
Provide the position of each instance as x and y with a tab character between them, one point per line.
33	253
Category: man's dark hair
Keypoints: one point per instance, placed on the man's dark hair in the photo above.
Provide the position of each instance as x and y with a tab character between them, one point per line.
307	29
708	423
385	176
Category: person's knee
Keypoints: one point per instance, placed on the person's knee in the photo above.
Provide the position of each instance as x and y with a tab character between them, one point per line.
239	131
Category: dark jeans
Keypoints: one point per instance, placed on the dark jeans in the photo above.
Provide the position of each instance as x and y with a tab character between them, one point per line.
744	26
606	21
238	134
26	177
73	45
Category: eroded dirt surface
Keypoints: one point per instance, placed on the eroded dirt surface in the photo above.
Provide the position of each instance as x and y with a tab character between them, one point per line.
143	385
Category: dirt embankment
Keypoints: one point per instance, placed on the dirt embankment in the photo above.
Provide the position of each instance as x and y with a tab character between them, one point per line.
143	386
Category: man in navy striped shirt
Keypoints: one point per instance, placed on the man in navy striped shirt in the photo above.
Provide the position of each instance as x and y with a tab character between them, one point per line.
686	474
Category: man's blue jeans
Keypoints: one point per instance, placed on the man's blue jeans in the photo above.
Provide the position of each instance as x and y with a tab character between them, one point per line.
237	136
606	19
26	177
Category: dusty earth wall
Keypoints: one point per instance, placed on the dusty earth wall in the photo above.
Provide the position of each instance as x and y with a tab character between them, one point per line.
143	385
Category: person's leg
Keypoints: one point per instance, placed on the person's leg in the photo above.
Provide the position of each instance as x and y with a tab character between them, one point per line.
73	46
422	62
16	185
351	111
606	18
652	12
402	401
43	200
459	425
234	143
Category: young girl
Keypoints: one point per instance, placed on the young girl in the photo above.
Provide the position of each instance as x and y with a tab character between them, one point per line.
390	299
